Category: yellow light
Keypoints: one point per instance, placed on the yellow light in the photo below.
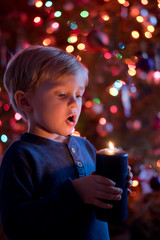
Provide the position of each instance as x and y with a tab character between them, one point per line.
69	48
111	145
150	28
121	1
135	183
148	35
105	17
139	19
73	38
113	91
46	42
39	4
158	5
132	72
79	58
81	46
144	2
76	133
135	34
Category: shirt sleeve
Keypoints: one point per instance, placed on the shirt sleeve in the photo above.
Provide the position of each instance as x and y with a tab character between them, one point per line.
21	211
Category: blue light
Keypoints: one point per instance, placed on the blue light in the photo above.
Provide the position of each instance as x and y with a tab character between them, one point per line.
4	138
48	4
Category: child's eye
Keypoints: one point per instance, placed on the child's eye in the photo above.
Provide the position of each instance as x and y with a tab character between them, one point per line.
79	96
61	95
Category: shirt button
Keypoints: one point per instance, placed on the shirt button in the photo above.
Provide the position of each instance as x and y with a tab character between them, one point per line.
79	164
73	150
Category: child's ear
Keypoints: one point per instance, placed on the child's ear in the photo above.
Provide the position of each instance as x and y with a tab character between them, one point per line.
22	101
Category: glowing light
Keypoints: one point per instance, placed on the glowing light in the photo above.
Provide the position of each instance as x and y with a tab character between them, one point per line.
121	45
135	183
0	123
134	11
73	38
97	100
111	145
108	55
135	34
4	138
132	72
150	28
102	121
158	163
55	25
113	91
48	4
46	42
139	19
144	12
6	107
113	109
75	133
81	46
37	20
121	1
144	2
39	4
69	48
57	14
79	58
49	30
88	104
156	76
148	35
105	17
118	84
17	116
84	14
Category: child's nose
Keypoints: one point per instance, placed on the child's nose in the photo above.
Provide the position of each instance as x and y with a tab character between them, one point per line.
73	102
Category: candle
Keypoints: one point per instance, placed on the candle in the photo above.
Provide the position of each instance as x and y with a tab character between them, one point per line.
113	163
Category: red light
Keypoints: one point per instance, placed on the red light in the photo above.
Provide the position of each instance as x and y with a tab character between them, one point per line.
113	109
37	20
6	107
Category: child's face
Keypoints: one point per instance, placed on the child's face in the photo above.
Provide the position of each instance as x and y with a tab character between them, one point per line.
56	106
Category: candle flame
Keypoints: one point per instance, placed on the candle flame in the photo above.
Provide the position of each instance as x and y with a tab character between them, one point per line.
111	146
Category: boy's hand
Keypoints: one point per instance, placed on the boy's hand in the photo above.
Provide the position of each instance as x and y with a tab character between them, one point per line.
93	188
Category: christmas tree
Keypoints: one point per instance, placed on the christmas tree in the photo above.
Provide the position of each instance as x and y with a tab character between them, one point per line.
118	41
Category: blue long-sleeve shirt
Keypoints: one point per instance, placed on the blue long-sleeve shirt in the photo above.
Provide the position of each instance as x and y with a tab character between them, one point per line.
37	198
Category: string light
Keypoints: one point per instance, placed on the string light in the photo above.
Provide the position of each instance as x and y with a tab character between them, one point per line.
135	34
135	183
73	38
144	2
37	20
139	19
113	109
97	100
81	46
102	121
39	4
150	28
4	138
46	42
148	34
69	48
55	25
88	104
113	91
57	14
84	14
48	4
17	116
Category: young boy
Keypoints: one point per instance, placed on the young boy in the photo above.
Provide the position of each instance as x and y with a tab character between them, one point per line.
47	186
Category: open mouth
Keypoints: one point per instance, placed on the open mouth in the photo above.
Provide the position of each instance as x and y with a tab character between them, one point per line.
71	120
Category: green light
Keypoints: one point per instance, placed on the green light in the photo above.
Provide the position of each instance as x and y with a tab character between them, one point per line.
97	100
57	13
84	14
68	40
4	138
119	56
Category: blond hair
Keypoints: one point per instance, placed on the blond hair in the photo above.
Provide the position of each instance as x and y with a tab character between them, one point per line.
37	64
